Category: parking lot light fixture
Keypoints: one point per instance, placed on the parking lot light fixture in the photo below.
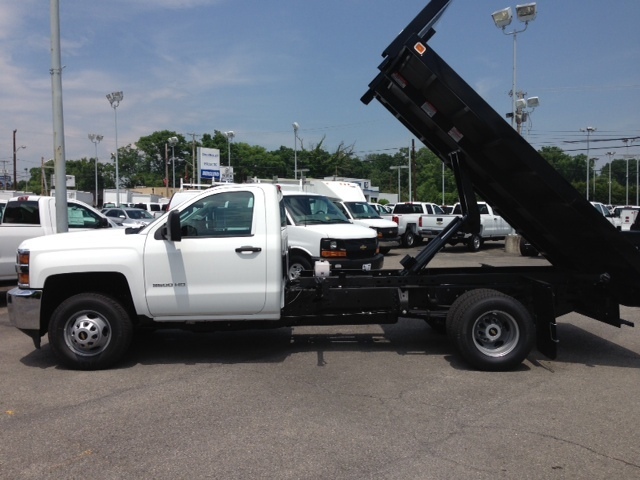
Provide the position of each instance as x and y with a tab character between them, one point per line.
96	139
114	99
230	134
173	141
502	18
295	149
398	168
589	131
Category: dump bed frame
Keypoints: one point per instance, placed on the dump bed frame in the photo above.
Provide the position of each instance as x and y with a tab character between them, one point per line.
418	87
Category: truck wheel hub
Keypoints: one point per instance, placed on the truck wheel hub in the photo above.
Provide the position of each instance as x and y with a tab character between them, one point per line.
88	333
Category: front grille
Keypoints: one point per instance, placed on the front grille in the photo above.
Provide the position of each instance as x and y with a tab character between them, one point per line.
361	248
390	232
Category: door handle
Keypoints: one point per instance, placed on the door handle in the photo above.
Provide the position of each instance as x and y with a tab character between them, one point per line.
248	249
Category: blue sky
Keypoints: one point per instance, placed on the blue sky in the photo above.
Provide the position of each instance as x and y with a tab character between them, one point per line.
255	67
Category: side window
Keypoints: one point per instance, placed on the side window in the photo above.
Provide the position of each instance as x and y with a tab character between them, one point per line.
283	214
81	217
341	208
228	214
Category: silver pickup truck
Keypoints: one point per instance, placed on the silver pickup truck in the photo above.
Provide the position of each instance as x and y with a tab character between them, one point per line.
493	227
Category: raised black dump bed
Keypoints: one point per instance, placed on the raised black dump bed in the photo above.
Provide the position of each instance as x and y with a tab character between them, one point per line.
453	121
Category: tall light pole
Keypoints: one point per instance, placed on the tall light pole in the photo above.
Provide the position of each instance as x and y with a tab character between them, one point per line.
229	136
628	157
173	141
15	162
398	168
610	155
15	159
502	18
589	131
295	149
96	139
114	99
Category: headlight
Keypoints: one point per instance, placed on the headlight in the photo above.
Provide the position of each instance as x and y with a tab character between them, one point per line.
22	268
330	248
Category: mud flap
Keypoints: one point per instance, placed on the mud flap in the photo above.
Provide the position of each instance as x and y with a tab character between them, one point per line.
545	315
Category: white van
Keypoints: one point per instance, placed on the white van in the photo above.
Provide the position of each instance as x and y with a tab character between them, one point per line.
318	230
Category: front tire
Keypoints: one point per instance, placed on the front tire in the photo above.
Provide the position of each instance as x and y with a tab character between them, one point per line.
297	264
90	331
492	331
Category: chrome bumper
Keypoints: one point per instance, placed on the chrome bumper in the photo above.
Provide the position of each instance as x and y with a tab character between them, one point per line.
24	308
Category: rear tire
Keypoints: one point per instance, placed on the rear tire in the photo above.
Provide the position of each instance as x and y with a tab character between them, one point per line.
492	331
90	331
409	239
474	243
526	249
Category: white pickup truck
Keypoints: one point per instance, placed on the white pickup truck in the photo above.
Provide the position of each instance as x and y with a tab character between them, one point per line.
492	227
89	290
31	216
407	216
219	261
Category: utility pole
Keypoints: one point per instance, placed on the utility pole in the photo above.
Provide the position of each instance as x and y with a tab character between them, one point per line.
62	214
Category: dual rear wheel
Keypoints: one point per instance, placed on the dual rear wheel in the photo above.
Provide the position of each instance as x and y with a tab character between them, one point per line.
491	331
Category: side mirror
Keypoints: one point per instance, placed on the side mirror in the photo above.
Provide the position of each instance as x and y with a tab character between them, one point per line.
174	232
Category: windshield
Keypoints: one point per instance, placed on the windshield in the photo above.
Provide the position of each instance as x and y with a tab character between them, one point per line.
139	214
361	210
313	210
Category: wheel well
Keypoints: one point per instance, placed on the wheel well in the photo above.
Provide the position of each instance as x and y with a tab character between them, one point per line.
301	253
60	287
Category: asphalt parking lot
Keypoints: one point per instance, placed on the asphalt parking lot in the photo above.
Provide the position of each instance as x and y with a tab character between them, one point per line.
372	402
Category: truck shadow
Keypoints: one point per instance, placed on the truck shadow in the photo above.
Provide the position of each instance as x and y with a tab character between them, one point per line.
407	337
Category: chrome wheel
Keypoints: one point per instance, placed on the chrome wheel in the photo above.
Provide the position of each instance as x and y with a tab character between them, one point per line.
496	333
87	333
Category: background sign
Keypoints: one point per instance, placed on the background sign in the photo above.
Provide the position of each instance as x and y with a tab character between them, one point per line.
221	174
208	162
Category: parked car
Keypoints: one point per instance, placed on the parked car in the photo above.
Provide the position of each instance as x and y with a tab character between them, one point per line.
381	209
130	217
3	203
613	219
